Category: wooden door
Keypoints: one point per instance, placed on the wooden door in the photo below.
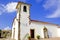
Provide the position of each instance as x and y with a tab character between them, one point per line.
32	33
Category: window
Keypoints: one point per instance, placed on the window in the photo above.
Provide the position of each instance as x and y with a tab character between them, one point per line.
24	9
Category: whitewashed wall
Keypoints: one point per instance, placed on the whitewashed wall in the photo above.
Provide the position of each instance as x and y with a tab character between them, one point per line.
52	29
15	26
24	22
58	31
16	29
38	27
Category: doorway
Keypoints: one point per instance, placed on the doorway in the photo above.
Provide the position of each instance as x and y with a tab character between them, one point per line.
32	33
45	32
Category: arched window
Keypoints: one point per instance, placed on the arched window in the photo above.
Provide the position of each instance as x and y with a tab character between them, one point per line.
45	32
24	9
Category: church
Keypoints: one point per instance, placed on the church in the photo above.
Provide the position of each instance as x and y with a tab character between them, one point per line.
23	27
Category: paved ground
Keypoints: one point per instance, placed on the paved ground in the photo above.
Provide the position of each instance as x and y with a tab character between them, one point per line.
39	39
5	39
51	38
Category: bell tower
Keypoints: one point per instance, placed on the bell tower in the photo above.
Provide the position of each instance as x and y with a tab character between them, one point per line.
23	14
23	10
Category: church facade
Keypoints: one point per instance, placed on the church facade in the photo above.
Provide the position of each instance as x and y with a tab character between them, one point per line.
23	27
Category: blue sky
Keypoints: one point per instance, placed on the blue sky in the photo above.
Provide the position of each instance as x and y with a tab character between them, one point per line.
41	10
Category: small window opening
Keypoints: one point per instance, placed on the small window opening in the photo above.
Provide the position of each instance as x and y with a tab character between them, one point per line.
24	9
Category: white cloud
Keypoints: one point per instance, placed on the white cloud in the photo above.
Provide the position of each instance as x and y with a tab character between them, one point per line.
49	3
10	7
7	28
56	14
54	3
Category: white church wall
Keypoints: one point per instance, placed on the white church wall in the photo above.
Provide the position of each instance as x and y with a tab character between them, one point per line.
13	28
18	11
58	31
25	13
24	23
52	30
38	27
38	30
24	16
16	29
17	17
24	31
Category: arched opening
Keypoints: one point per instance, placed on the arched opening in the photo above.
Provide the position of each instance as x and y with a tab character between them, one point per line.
45	32
24	9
